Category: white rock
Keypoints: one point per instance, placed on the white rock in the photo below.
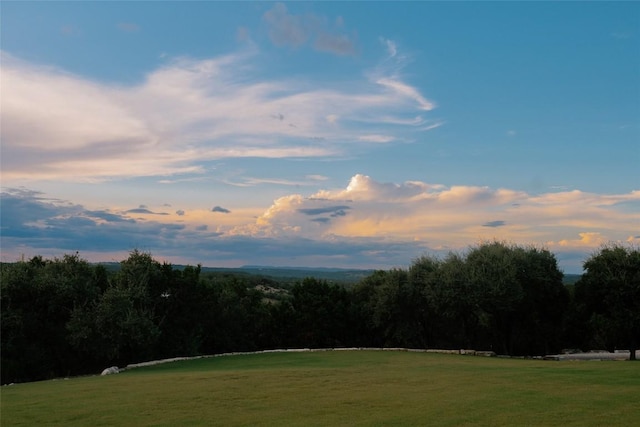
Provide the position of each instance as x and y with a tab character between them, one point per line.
111	370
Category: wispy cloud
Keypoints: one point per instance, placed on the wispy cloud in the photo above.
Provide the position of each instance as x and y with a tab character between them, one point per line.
58	125
392	49
286	29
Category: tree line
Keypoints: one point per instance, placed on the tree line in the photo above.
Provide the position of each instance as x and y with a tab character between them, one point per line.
65	316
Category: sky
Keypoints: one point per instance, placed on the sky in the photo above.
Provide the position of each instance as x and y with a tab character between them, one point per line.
318	134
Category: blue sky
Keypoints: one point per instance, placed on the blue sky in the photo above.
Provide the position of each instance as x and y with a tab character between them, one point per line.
335	134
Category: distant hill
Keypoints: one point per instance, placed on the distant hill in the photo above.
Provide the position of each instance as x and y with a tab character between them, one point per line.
571	279
331	274
339	275
290	274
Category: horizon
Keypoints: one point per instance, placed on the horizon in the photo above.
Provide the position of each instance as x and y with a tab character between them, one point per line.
354	135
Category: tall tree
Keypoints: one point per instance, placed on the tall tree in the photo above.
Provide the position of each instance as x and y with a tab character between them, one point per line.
39	298
610	289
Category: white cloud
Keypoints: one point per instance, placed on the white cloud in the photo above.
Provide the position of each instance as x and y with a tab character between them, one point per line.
392	49
57	125
376	138
404	90
440	215
365	223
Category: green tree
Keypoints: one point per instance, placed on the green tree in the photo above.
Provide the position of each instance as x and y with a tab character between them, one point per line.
610	290
320	312
38	299
520	293
398	309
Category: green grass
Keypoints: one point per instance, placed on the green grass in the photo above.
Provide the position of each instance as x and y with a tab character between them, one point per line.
338	388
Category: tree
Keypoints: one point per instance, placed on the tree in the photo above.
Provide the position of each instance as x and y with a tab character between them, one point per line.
320	313
610	290
454	314
521	292
38	299
398	309
492	274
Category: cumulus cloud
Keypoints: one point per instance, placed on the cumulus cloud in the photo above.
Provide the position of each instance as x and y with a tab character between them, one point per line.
366	223
438	215
58	125
34	224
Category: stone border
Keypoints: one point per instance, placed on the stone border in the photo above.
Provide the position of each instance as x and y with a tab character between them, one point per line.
618	355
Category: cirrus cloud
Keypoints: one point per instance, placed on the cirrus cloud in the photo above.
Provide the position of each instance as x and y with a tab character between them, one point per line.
58	125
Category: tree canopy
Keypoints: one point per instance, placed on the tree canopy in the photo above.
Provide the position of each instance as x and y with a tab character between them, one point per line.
66	316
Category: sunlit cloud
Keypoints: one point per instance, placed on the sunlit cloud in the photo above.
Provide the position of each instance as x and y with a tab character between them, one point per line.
439	215
58	125
376	138
365	217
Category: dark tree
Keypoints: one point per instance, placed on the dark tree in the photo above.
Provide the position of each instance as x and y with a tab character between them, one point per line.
610	291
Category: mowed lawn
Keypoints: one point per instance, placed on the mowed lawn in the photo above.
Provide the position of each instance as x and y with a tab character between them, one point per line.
338	388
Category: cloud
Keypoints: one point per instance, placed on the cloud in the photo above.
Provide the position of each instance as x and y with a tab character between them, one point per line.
321	220
220	209
494	224
33	224
180	212
286	29
339	44
390	45
405	91
58	125
143	210
334	210
438	216
317	177
376	138
366	223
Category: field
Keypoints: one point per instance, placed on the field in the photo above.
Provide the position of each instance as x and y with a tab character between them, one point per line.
337	388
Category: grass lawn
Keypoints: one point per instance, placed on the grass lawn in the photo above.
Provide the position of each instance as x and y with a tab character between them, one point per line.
338	388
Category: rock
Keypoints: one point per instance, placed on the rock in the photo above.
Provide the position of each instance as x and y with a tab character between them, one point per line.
111	370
